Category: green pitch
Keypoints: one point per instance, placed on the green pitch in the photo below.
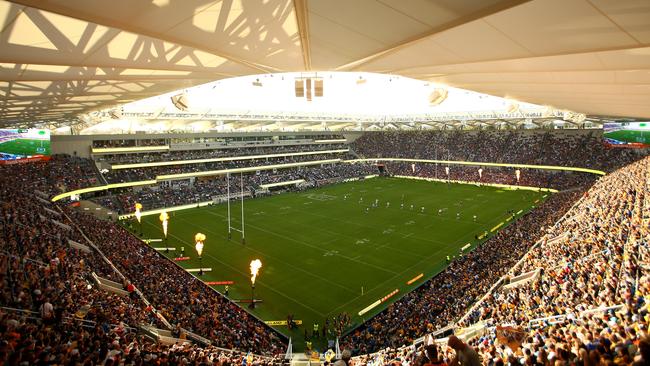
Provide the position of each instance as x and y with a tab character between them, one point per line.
639	136
324	254
26	147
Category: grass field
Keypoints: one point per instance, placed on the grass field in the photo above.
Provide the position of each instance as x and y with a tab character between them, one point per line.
320	249
26	147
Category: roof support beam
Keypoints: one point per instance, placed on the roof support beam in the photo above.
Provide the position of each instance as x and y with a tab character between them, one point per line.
71	11
302	17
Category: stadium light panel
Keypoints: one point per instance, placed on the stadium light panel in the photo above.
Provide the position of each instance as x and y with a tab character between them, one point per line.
112	150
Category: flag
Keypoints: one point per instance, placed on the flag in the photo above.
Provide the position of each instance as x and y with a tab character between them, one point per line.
289	354
338	350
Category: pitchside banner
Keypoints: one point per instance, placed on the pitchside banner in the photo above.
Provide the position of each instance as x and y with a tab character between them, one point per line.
24	145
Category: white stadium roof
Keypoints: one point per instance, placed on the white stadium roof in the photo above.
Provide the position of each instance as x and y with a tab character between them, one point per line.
60	59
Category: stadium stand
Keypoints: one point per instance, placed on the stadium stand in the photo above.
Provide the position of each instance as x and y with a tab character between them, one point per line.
582	148
128	143
410	183
204	190
147	173
53	311
559	180
588	304
586	301
436	304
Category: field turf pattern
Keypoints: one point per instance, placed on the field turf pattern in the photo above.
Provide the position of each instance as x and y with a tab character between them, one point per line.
25	147
630	136
319	249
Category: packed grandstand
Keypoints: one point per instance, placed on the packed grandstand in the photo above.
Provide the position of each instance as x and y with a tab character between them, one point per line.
571	277
325	182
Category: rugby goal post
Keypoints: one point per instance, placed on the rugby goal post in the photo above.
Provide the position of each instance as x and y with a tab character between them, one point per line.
228	198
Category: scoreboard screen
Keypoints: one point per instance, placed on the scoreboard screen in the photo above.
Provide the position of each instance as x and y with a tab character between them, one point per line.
24	145
627	134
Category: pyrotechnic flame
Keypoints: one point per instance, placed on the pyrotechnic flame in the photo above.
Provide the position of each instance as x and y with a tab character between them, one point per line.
199	239
138	214
255	267
164	218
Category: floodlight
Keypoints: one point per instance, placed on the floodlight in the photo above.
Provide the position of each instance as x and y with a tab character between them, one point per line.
180	101
437	96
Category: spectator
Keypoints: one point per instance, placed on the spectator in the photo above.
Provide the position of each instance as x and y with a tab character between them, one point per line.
346	355
465	355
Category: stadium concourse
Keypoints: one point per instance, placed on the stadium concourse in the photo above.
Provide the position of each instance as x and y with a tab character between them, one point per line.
570	279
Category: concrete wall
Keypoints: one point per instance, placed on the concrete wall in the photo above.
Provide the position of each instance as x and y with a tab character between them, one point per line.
72	145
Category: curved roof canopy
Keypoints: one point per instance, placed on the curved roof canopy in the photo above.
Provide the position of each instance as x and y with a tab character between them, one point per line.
61	58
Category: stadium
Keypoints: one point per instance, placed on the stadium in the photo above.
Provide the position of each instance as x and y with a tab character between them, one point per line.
317	182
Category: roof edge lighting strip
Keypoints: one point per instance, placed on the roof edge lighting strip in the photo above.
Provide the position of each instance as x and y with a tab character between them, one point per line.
111	150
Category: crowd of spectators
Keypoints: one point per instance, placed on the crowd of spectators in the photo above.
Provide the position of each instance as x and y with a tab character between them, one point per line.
578	148
128	143
54	313
62	173
582	149
42	277
581	258
211	153
587	306
203	190
560	180
590	249
438	302
225	141
28	342
594	259
148	173
178	296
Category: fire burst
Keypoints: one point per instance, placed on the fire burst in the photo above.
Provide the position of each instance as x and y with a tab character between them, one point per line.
164	218
255	267
138	214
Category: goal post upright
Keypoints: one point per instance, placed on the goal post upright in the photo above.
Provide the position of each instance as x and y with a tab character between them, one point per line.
228	200
241	182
